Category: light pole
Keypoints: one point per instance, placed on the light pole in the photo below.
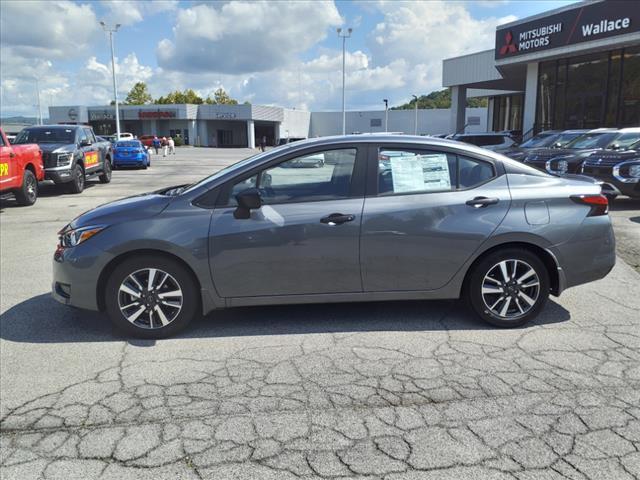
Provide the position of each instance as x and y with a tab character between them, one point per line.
111	31
416	120
39	106
344	35
386	114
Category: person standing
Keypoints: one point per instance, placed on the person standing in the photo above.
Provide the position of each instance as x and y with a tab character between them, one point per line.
263	143
172	146
156	143
165	145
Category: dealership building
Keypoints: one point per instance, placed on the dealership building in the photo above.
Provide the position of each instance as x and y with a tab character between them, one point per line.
573	67
245	125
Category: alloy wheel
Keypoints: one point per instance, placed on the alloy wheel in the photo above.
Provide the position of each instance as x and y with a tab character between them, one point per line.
150	298
32	188
510	289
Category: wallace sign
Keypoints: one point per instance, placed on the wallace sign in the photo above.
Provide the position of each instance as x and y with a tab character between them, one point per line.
592	21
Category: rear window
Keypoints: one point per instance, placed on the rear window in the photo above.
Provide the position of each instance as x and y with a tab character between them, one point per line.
46	135
129	144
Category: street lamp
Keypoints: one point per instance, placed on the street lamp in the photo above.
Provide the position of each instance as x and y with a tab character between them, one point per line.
111	31
344	35
386	114
416	120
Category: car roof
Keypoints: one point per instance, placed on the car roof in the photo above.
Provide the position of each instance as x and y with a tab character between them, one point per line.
483	134
59	125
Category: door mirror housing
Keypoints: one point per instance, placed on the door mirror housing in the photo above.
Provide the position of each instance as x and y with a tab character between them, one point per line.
615	146
85	142
248	200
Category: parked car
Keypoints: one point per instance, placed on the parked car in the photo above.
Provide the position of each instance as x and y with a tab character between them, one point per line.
126	136
131	153
444	226
546	139
618	170
70	153
490	141
568	160
20	170
147	140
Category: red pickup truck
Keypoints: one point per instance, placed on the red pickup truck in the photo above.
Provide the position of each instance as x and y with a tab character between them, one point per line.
20	170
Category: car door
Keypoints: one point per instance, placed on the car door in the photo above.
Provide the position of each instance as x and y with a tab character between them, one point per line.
425	213
304	239
8	166
92	160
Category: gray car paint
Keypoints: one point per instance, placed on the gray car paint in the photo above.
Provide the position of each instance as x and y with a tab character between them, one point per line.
581	247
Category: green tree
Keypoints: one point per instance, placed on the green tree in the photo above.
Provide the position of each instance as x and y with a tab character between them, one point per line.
188	96
138	95
220	97
440	99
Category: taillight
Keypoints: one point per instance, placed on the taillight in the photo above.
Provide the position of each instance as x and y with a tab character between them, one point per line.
598	203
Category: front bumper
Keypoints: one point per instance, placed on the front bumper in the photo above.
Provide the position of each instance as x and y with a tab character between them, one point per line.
76	274
58	174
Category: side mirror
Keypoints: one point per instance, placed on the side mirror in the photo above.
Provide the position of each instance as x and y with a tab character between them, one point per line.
557	145
248	200
615	146
85	142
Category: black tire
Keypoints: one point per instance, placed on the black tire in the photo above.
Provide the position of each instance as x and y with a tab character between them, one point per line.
28	192
179	274
611	198
479	302
105	176
78	179
144	166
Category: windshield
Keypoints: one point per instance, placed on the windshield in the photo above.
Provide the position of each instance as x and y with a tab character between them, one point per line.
232	168
635	146
540	140
564	138
46	135
592	140
626	140
130	144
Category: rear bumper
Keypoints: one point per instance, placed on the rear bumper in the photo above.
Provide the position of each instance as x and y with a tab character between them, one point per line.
590	255
129	161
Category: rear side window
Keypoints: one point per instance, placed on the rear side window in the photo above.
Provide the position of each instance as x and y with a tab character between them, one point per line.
423	171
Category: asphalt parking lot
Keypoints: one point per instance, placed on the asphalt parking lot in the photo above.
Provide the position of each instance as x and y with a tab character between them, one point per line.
413	390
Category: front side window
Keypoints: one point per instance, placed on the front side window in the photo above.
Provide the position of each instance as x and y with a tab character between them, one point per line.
422	171
312	177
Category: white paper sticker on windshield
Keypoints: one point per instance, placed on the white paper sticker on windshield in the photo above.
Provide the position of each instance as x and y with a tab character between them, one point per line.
406	173
415	173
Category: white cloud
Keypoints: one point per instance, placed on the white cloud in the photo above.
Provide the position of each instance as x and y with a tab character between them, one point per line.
47	29
129	12
245	36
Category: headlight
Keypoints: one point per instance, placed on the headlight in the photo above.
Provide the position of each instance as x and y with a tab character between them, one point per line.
627	172
64	159
557	166
70	237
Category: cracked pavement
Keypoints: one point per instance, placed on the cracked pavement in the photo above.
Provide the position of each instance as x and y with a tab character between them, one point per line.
399	390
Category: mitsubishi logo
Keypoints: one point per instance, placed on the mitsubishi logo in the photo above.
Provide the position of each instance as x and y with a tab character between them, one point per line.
509	45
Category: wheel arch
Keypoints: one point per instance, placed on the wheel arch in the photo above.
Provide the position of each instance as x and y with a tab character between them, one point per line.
547	258
113	264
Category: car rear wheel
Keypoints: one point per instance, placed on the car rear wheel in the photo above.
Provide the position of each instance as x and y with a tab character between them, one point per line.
105	177
507	288
77	179
151	297
28	192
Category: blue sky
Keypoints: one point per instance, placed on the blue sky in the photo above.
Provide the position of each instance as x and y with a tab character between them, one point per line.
283	53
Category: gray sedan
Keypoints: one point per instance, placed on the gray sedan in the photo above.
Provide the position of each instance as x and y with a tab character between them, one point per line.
381	217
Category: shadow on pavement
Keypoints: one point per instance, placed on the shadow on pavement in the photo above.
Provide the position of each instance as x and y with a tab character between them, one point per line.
43	320
624	204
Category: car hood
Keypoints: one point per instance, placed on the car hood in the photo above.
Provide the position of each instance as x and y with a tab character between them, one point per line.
568	154
126	209
57	147
616	155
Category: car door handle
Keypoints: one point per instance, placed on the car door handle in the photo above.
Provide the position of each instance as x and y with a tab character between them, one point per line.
337	219
12	155
480	202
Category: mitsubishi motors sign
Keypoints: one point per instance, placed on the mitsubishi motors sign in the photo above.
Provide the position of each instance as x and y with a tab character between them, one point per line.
592	21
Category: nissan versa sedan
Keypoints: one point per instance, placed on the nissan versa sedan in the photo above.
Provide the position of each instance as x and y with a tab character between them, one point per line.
385	217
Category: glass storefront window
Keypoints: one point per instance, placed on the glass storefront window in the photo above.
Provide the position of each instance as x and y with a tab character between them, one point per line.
507	112
590	91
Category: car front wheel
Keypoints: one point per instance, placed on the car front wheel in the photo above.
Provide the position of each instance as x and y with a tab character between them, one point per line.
151	297
507	288
77	179
105	176
28	192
